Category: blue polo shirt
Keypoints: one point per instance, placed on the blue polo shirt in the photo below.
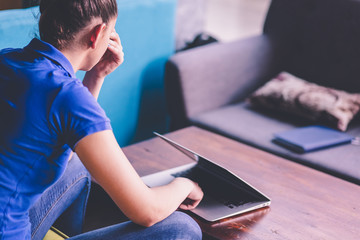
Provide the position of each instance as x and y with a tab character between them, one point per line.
44	112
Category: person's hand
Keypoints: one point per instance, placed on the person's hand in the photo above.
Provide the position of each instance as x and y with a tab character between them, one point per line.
113	58
193	199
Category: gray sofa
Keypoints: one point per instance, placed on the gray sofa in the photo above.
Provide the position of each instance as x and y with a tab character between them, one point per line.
317	40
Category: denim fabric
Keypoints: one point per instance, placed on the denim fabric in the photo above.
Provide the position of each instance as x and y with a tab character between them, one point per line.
69	193
66	200
177	226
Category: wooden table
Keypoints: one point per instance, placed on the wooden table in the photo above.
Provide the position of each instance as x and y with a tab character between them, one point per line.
306	204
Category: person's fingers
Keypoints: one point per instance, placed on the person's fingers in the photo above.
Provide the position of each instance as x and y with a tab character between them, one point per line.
193	199
189	204
114	36
117	52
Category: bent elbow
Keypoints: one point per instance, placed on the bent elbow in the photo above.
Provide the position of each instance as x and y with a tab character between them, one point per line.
147	221
149	216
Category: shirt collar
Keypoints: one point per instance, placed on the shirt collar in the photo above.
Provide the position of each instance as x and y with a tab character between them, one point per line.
52	53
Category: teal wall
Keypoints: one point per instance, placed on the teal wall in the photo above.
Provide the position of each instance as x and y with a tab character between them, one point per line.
133	95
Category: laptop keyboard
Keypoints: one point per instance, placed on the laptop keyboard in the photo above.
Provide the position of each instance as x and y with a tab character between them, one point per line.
219	189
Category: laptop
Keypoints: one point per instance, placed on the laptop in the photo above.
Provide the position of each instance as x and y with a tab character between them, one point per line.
225	193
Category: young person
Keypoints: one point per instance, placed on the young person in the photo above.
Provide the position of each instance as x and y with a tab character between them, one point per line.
47	114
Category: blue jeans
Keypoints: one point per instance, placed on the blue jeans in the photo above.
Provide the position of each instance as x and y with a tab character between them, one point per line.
68	198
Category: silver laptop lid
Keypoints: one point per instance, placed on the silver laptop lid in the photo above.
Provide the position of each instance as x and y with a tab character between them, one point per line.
182	149
196	157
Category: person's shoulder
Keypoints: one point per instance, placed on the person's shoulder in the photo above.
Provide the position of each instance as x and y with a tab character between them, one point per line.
74	108
9	53
73	93
74	87
20	60
5	51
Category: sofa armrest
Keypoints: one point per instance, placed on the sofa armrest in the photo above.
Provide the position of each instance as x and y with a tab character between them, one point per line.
218	74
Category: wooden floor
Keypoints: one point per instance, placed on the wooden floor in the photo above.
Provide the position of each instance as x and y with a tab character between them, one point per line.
229	20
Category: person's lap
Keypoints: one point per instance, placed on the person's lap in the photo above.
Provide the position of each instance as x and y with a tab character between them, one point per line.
177	226
65	203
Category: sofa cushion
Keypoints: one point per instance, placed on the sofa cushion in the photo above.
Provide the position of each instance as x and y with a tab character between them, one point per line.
243	123
293	95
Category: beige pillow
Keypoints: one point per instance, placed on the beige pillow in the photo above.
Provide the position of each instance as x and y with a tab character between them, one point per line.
294	95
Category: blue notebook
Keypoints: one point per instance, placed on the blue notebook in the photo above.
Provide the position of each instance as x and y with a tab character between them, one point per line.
306	139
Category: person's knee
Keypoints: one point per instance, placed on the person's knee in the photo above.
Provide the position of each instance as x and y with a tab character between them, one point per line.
184	226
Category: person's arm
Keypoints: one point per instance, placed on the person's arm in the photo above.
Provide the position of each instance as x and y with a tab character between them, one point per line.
112	58
106	162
